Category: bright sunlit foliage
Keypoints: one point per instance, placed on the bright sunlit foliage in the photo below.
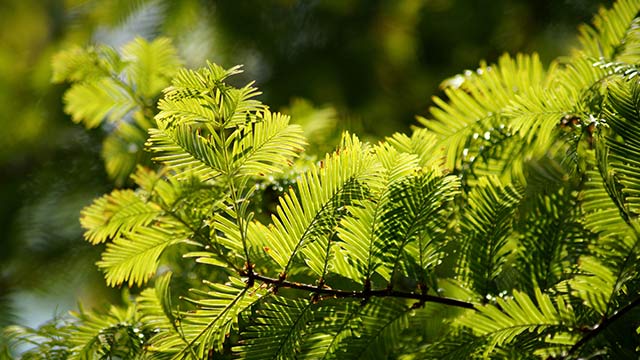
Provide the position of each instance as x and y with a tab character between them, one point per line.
506	227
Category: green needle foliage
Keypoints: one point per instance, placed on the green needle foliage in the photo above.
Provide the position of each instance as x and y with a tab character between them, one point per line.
506	227
117	91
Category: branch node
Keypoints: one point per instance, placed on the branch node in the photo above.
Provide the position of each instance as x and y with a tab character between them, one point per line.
366	292
315	298
389	287
248	272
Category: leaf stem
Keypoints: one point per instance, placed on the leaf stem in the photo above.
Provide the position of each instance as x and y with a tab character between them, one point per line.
241	219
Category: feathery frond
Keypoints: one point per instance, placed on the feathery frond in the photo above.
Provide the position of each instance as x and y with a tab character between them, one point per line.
116	213
134	257
217	314
122	149
551	239
421	143
306	218
151	65
486	229
203	97
277	329
375	329
268	147
479	106
522	194
117	91
113	334
500	324
183	150
92	102
611	27
417	221
362	233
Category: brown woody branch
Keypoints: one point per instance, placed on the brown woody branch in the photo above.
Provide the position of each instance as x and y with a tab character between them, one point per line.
364	295
604	323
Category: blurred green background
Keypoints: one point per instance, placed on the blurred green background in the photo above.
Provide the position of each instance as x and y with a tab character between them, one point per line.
377	62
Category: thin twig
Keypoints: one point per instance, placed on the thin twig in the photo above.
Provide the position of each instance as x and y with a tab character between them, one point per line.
605	323
422	298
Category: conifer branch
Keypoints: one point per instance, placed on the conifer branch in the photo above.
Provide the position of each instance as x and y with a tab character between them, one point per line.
364	294
601	326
